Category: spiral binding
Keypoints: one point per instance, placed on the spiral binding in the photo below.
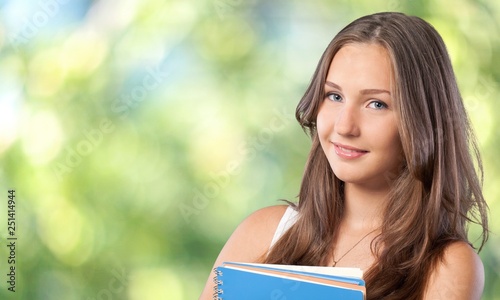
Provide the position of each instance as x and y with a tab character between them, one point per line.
218	282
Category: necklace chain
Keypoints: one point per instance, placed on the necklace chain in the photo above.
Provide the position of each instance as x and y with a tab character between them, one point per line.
336	261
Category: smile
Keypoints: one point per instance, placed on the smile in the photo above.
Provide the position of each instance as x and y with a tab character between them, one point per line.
348	152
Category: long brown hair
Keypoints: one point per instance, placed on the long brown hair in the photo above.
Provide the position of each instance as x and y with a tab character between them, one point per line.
437	193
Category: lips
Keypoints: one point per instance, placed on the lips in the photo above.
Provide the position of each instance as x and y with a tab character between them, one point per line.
348	152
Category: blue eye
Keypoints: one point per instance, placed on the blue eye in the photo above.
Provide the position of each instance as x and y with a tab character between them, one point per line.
334	97
377	105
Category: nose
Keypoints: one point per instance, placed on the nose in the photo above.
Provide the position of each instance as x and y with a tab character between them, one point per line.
346	123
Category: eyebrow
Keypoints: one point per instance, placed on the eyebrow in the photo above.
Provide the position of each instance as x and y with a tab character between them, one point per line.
362	92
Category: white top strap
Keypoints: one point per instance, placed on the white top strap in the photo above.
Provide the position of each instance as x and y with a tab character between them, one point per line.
288	219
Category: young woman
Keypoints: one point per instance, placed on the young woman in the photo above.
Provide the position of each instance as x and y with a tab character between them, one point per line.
390	183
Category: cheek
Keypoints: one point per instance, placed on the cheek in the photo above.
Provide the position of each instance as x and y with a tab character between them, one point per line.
386	143
384	134
395	139
323	122
393	147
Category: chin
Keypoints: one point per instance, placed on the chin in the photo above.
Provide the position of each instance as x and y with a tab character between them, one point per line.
349	178
359	177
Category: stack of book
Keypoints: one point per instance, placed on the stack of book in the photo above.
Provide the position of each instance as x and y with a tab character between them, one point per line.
247	281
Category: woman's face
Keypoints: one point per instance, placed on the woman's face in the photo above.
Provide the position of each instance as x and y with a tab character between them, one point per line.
357	123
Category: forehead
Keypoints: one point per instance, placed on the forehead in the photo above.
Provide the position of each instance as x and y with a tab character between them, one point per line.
361	65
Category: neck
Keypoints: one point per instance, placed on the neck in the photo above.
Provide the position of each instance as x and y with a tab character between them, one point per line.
364	207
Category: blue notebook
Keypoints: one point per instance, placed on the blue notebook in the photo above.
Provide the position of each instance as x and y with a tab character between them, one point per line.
244	281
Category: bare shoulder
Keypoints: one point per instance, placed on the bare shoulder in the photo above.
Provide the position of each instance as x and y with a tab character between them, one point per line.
253	236
459	276
249	241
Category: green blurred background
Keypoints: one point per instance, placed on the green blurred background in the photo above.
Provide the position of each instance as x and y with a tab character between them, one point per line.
138	133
